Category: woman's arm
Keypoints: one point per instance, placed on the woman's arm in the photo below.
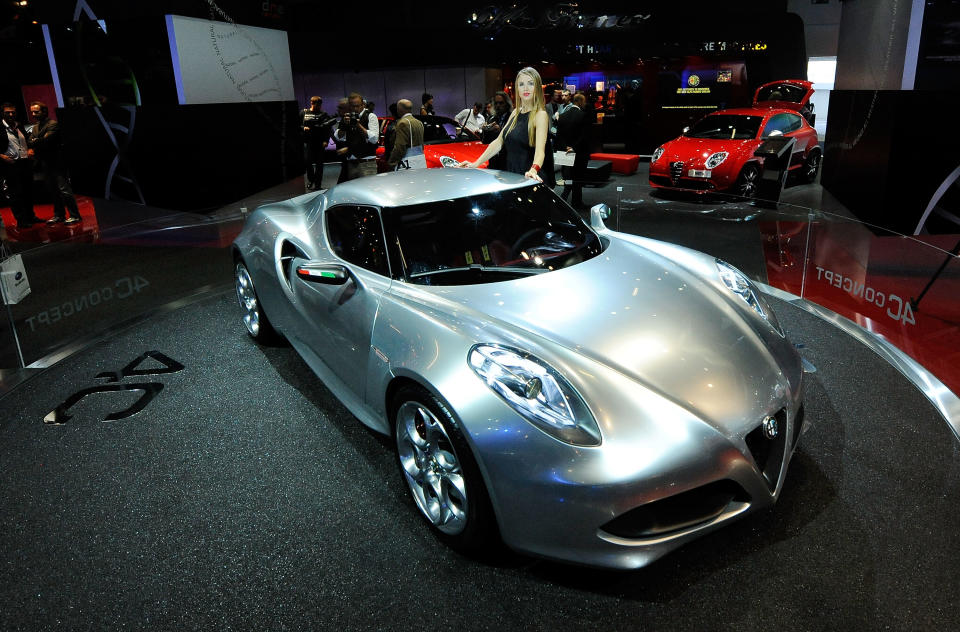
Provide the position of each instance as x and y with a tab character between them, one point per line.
492	149
542	125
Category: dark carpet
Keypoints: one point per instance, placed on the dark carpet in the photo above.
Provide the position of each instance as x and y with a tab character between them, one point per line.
245	497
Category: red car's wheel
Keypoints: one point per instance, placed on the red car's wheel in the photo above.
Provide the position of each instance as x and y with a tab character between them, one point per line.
811	165
746	185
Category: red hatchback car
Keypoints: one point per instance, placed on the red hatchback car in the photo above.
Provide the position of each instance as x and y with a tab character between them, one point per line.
717	153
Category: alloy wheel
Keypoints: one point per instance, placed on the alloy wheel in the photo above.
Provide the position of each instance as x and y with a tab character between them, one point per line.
431	468
747	184
248	300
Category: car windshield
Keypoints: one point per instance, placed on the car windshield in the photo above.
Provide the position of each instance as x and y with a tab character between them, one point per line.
729	126
487	238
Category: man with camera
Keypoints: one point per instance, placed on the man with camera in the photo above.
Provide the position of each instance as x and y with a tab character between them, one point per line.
357	136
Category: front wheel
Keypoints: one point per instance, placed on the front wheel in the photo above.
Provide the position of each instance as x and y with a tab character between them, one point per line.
811	165
438	467
746	186
254	319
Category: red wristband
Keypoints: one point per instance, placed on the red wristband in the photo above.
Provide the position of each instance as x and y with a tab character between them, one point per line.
535	167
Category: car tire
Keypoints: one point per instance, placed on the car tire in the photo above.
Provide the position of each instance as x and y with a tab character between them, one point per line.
254	318
811	165
746	186
438	468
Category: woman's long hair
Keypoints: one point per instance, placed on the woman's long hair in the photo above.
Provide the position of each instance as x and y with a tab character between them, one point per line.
538	104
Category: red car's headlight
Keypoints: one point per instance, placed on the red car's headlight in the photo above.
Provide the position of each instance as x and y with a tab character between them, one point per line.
715	160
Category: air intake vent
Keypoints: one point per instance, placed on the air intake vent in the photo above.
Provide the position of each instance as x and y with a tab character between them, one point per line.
676	513
288	252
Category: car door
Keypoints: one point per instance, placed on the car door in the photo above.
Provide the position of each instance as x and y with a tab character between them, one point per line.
338	297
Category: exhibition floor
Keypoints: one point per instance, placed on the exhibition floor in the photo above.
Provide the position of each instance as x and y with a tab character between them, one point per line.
243	495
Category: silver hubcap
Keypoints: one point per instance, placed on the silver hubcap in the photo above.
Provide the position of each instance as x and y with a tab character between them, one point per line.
248	301
431	468
813	163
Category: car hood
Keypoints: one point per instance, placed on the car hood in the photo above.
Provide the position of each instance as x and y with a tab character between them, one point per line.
640	313
699	149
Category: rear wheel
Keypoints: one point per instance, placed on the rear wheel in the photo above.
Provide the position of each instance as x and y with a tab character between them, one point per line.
811	165
439	469
747	182
254	319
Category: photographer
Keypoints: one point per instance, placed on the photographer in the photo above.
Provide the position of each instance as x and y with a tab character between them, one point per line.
357	136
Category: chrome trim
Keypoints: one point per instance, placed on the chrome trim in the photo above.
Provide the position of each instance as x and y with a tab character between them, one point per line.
943	399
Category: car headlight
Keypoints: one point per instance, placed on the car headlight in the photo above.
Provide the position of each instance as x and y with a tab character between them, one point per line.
739	284
656	154
715	160
537	392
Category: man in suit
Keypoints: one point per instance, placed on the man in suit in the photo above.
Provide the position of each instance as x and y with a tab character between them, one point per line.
409	133
573	135
46	145
16	168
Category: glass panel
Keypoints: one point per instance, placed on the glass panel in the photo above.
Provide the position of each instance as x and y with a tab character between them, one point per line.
105	278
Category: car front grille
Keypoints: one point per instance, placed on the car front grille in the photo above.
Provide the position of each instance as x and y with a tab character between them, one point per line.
676	171
768	452
797	427
677	513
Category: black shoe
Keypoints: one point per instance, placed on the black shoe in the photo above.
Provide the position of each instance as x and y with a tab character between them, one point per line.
72	220
54	220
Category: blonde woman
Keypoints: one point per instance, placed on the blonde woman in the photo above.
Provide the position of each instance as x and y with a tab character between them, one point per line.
525	134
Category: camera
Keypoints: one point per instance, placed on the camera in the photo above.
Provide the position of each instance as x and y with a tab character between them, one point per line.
349	120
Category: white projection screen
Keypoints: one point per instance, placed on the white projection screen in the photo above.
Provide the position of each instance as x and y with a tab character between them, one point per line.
218	62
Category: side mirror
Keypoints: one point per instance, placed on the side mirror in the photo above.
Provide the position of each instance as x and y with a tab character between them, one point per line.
599	213
773	133
328	274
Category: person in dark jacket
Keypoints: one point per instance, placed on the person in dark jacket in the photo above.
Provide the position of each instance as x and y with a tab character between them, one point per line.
317	127
573	135
46	146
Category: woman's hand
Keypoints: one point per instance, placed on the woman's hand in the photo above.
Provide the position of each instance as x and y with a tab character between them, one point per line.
467	165
532	174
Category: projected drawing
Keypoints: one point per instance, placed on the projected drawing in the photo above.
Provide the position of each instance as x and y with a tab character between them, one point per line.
220	62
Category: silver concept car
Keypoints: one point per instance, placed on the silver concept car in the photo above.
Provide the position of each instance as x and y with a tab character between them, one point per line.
587	395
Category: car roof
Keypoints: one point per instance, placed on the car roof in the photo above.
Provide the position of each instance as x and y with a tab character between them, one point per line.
419	186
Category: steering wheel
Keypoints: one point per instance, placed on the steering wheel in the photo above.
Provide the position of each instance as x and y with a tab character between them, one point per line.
522	242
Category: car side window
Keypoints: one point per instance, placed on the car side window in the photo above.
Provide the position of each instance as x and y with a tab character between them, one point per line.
356	236
783	123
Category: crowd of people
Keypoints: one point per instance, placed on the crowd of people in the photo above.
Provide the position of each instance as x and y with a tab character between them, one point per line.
521	138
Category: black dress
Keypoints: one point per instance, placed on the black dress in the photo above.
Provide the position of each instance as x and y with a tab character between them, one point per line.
520	153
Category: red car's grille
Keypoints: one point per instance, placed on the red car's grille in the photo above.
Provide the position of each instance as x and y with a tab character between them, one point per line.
676	170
